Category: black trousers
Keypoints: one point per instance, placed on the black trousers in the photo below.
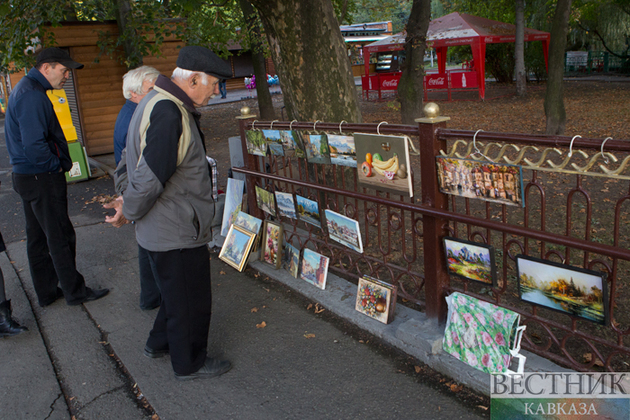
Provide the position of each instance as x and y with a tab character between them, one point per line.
183	321
150	296
50	236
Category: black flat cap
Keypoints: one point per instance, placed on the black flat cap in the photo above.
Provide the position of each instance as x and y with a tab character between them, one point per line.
57	55
196	58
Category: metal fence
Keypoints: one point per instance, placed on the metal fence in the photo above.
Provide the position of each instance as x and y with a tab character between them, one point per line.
576	193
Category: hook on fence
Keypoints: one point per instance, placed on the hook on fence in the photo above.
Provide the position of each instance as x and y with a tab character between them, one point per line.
603	155
271	127
291	124
254	124
477	151
315	125
378	131
340	131
571	145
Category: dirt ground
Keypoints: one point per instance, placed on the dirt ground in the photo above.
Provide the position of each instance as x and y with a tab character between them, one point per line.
594	109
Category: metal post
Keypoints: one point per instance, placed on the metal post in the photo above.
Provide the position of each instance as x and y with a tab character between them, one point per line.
250	163
435	275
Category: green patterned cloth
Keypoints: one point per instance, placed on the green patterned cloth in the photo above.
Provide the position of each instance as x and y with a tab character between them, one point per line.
479	333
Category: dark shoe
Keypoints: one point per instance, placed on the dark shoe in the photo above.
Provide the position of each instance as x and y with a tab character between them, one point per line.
210	369
8	326
90	295
154	354
50	302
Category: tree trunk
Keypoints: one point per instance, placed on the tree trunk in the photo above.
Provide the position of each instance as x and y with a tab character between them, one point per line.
519	49
265	104
133	57
410	87
554	100
310	57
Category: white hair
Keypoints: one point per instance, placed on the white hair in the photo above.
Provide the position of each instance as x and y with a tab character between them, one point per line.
184	75
133	80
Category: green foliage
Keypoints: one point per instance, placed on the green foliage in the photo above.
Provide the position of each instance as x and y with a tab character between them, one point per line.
383	10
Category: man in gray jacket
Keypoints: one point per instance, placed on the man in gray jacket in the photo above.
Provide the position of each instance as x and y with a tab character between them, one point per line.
169	198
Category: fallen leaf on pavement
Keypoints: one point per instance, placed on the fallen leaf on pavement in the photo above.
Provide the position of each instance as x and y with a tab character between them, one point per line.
254	309
418	369
309	335
310	305
318	309
261	325
456	388
221	272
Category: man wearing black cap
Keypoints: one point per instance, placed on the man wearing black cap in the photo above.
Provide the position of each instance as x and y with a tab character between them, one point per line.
169	197
39	155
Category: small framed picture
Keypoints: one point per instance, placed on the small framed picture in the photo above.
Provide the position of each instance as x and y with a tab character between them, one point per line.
233	203
291	259
342	150
564	288
272	240
256	143
308	211
344	230
248	222
316	148
314	268
376	299
236	247
265	201
470	260
286	205
274	141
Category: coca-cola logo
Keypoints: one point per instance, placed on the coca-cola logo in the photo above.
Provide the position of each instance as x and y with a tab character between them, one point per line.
390	83
438	81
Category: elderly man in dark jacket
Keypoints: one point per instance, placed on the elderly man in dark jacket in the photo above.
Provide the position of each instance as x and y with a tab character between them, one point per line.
169	197
39	154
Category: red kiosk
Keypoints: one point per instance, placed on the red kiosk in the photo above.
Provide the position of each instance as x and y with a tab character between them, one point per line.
447	31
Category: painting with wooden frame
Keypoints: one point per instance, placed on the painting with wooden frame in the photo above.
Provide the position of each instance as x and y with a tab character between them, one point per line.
470	260
563	288
272	242
237	246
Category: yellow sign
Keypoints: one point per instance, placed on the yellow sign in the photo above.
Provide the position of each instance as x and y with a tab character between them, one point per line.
62	109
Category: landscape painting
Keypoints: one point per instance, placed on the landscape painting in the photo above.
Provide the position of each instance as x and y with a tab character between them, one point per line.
265	201
314	268
342	150
292	143
236	247
256	143
564	288
308	211
344	230
233	203
470	260
248	222
286	205
291	259
274	141
316	148
383	163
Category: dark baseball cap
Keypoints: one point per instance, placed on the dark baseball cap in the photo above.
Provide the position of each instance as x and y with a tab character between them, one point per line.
195	58
57	55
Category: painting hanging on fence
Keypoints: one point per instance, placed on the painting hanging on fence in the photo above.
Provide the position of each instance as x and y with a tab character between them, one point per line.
496	182
248	222
564	288
308	211
256	143
470	260
314	268
265	201
233	203
286	205
272	240
236	247
376	299
342	150
316	148
344	230
383	163
292	143
291	259
274	141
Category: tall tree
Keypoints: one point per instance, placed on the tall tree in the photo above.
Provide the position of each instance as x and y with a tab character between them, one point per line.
311	59
519	49
554	97
410	87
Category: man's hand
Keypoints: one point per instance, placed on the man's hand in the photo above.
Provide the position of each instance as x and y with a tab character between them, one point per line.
117	220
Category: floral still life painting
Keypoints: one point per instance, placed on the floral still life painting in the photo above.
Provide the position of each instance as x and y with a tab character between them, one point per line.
272	243
236	247
374	300
314	268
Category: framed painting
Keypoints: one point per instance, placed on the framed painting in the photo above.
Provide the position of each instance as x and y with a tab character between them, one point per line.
314	268
375	300
272	240
571	290
248	222
308	211
236	247
286	204
344	230
256	143
265	201
291	259
495	182
316	148
292	143
383	163
233	203
274	141
342	150
470	260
